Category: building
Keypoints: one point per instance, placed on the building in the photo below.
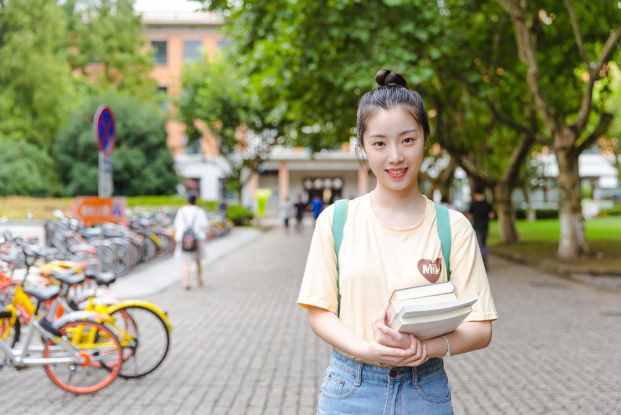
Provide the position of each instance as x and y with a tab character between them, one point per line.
295	172
178	37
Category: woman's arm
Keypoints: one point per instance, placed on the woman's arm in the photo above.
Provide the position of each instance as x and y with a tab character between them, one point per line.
329	328
469	336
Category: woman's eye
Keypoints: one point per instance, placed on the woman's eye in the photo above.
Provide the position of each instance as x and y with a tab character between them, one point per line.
378	144
409	140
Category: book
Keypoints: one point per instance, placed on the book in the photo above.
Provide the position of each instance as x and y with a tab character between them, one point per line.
427	311
422	295
429	290
430	329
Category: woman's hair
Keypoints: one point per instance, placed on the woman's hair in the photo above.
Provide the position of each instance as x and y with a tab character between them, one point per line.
392	90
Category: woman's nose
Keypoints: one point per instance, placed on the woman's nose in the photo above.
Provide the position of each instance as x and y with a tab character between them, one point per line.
395	154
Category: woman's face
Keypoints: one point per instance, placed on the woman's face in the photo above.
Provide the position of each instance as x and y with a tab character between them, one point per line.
394	144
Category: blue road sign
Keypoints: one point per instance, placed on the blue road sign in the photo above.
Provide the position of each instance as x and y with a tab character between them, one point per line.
105	129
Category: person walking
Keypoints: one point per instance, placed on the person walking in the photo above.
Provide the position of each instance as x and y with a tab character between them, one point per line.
300	208
480	213
388	239
316	207
287	211
190	235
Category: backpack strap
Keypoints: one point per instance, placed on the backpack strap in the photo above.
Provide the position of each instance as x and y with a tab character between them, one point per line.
338	224
443	225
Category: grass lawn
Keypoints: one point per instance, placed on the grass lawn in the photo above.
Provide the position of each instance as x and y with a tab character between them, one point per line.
539	243
21	208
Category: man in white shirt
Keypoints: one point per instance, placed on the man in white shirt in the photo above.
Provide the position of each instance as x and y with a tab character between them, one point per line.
192	217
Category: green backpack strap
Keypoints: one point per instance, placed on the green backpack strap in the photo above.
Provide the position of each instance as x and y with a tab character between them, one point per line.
444	233
338	224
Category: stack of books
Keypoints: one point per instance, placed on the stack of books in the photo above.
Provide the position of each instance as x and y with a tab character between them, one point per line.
427	311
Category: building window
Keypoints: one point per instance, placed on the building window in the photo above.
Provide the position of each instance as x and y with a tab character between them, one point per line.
160	51
192	50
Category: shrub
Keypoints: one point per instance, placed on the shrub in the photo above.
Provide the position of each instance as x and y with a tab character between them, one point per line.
239	215
26	169
539	213
613	211
141	160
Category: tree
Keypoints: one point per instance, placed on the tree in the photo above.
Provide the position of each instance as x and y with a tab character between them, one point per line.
37	90
311	61
214	95
566	48
613	143
484	117
107	47
26	169
141	161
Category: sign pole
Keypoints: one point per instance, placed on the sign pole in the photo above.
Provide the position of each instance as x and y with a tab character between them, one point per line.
105	132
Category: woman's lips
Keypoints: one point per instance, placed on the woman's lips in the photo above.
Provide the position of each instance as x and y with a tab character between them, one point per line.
397	174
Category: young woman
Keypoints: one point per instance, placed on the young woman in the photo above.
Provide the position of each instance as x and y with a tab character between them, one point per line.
191	216
388	237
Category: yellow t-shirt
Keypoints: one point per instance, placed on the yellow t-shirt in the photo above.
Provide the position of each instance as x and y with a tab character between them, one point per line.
376	259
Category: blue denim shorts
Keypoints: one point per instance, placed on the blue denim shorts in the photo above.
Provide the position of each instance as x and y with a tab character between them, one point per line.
352	387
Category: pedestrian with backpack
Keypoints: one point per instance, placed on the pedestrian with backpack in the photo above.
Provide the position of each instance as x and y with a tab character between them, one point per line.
190	234
364	249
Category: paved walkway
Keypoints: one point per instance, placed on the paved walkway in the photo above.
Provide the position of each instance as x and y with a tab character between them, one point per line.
151	278
241	346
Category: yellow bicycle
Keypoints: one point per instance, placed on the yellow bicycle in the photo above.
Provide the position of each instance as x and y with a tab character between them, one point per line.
142	327
80	354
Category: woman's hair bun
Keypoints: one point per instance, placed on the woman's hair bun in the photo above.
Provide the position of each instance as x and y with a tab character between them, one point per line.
386	77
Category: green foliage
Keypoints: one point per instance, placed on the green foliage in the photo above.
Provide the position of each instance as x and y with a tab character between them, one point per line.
613	211
37	90
239	215
26	169
218	96
309	62
141	161
539	213
108	48
213	94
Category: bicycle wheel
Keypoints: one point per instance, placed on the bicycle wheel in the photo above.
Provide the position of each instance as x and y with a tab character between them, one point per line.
100	357
145	340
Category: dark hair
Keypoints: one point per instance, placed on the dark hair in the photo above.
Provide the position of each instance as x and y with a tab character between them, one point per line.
392	90
192	198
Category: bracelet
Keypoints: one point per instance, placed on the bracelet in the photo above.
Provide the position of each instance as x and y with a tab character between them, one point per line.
448	347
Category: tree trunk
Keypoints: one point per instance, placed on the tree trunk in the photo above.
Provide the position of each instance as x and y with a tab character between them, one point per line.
506	213
572	242
530	212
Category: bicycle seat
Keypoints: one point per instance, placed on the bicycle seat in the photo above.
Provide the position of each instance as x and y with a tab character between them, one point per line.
68	276
43	293
105	278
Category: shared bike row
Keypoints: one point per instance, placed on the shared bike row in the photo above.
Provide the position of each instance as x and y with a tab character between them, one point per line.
57	314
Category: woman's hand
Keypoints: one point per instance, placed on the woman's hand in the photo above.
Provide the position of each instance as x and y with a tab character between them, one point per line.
380	355
417	352
388	336
420	356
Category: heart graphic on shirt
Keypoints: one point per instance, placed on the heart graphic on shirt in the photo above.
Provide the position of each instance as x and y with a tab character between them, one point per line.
430	269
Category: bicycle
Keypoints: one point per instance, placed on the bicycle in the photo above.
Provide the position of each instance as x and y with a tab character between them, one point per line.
79	354
142	327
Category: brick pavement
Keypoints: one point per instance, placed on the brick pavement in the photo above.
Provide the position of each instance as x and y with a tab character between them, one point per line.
241	346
